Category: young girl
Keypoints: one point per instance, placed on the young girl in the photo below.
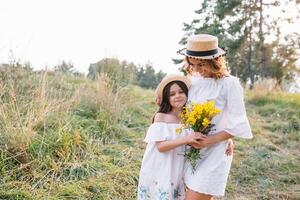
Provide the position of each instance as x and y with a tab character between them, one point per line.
161	174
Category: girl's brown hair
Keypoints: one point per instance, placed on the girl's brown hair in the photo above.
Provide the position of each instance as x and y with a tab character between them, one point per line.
214	68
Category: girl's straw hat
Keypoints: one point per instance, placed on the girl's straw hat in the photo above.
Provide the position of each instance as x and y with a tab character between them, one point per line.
202	46
168	79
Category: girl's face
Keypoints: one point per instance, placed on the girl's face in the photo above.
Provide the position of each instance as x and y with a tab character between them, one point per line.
177	96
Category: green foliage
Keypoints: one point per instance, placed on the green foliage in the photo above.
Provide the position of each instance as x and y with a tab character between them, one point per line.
53	128
15	195
269	161
147	77
120	73
88	144
95	123
64	67
67	68
123	73
243	27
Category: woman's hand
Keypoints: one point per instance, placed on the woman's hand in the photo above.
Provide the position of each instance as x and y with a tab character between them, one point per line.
229	150
213	139
194	138
206	141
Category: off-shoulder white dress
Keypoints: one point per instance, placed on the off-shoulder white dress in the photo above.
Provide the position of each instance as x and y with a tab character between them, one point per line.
212	170
161	174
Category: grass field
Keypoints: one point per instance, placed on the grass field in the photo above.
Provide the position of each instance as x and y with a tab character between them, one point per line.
65	137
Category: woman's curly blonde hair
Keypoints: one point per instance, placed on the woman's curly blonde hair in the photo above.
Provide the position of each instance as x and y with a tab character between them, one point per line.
214	68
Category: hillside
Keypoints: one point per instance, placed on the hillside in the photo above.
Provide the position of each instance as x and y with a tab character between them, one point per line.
65	137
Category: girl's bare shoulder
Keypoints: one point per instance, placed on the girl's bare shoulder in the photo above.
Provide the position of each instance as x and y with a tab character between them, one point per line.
163	117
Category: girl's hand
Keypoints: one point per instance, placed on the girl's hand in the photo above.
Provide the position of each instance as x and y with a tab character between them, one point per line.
194	138
229	150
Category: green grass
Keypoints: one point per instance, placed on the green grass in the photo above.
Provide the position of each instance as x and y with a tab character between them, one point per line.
267	167
87	141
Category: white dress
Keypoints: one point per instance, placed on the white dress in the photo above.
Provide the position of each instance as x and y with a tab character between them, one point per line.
161	174
210	176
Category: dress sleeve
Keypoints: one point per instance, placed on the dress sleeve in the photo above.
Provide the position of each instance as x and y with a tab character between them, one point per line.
157	132
237	121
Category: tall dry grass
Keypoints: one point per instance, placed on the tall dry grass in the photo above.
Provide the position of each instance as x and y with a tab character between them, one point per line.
24	108
102	94
268	89
265	87
52	126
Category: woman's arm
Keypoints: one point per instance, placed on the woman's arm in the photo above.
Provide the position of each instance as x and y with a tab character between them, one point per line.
192	138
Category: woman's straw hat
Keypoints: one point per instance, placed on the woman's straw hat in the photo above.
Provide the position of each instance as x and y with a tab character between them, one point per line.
202	46
168	79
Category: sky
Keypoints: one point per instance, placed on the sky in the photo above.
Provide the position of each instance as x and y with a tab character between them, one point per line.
46	32
85	31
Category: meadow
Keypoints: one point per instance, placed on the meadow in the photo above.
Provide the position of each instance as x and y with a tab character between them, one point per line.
68	137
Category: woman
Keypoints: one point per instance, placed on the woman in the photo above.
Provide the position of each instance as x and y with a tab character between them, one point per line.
206	65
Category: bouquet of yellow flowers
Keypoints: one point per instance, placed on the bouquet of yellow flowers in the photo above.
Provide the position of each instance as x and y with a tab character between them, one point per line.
198	117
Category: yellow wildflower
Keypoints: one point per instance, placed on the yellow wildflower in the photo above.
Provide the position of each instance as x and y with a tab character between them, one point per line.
205	122
178	130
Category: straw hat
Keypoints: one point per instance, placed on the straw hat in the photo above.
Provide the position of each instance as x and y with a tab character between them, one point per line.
168	79
202	46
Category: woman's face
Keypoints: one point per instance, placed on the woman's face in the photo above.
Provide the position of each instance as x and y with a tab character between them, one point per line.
199	66
177	96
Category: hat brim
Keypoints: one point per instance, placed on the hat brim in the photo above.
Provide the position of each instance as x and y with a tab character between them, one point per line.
221	52
167	80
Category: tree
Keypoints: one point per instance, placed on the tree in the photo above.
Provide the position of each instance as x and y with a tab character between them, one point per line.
64	67
148	78
124	73
121	73
159	76
244	28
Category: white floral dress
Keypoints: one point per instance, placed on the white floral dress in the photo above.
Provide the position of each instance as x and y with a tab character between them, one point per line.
212	170
161	174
